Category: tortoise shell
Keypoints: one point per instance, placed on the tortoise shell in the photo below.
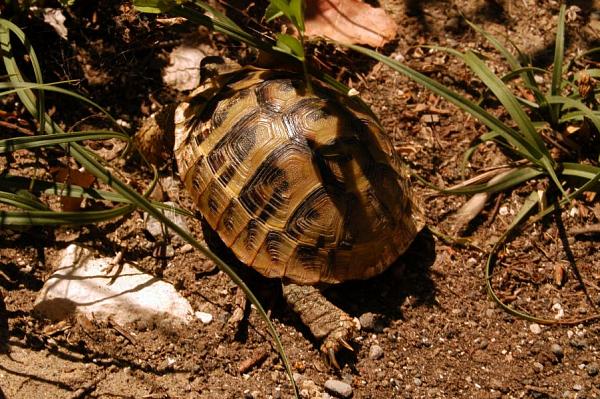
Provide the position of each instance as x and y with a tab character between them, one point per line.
303	186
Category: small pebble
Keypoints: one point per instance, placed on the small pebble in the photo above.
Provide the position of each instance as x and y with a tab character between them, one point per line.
367	321
535	328
204	317
538	367
483	343
578	343
338	388
186	248
592	369
557	350
376	352
417	381
577	387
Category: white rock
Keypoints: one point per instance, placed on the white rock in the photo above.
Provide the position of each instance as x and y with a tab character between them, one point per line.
183	71
535	328
80	284
204	317
55	18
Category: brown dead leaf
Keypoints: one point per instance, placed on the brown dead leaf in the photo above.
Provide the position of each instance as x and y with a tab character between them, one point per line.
75	177
350	21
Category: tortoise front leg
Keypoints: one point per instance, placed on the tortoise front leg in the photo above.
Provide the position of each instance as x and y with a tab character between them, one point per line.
326	322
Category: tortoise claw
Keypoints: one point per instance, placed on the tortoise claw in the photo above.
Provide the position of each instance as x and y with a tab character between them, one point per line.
332	359
346	345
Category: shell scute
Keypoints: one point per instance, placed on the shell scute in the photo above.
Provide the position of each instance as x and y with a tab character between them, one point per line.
299	185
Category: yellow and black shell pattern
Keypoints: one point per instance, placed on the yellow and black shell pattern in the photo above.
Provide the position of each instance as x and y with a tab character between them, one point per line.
300	185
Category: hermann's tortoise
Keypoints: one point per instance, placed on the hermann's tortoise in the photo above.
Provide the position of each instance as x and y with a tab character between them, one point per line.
302	186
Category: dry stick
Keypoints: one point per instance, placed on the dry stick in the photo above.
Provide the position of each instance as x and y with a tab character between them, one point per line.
494	212
591	229
258	357
18	128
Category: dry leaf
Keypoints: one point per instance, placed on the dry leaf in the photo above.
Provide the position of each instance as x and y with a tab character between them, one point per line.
75	177
350	21
55	18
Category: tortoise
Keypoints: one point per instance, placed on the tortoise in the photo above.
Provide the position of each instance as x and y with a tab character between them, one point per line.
302	185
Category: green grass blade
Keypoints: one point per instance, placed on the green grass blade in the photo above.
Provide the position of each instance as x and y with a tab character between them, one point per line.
536	148
37	70
581	107
26	143
219	23
513	137
448	50
583	171
526	208
525	73
12	184
510	180
559	51
22	199
20	86
557	65
40	218
290	45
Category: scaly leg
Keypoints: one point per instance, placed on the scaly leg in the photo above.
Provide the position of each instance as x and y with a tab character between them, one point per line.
327	322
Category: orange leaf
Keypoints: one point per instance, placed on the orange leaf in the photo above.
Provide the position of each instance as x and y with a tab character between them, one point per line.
72	176
350	21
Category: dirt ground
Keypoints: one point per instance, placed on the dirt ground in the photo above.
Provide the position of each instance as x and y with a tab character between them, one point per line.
439	333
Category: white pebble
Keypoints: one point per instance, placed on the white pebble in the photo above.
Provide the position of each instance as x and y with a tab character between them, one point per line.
204	317
535	328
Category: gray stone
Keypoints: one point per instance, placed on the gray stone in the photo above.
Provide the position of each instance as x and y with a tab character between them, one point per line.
417	381
367	321
592	369
157	229
579	343
338	388
81	284
557	350
371	322
483	344
375	352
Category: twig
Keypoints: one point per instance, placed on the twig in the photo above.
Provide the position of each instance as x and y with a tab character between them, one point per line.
118	328
591	229
18	128
258	357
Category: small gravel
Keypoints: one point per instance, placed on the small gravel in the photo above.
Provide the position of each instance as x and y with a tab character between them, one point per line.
417	381
579	343
367	321
376	352
557	350
338	388
535	328
592	369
